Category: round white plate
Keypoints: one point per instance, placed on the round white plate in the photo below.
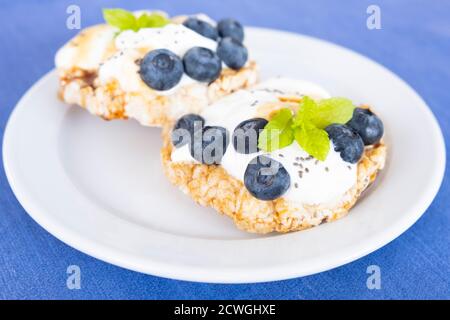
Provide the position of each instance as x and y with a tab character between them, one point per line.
98	186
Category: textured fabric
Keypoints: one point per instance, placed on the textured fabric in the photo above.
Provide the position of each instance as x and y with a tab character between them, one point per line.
414	42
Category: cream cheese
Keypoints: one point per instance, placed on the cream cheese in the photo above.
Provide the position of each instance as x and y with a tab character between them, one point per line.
313	182
132	46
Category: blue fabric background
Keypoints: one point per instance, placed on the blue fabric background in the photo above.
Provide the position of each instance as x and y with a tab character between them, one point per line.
414	42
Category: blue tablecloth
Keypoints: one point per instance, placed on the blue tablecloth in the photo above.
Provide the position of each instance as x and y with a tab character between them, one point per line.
414	42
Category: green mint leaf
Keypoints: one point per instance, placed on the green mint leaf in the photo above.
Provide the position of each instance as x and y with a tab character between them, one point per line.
333	110
278	133
142	21
306	110
121	19
313	140
153	20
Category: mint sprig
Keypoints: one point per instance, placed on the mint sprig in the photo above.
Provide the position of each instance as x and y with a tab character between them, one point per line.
333	110
278	132
306	126
153	20
313	140
126	20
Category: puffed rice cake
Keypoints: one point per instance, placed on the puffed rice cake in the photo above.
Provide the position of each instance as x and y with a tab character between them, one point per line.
79	83
212	186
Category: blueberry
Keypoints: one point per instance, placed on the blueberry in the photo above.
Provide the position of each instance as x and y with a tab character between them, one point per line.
210	144
346	141
161	69
266	179
201	27
231	28
183	131
246	133
202	64
232	52
367	124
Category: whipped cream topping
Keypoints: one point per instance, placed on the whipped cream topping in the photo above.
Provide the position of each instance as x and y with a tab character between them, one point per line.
313	182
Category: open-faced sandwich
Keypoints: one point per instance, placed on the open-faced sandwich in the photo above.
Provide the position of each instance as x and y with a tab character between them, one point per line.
151	68
282	156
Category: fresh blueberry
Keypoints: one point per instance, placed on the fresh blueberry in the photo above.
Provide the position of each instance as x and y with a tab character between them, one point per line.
161	69
183	131
201	27
232	52
202	64
346	141
367	124
266	179
231	28
210	144
246	133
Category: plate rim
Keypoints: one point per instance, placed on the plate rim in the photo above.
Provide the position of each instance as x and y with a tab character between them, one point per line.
222	275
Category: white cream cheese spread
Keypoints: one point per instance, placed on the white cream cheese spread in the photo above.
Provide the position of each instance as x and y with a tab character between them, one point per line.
132	46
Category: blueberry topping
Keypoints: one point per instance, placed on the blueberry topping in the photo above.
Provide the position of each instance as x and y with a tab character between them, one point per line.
346	141
161	69
368	125
183	131
202	64
201	27
210	144
232	52
245	135
266	178
231	28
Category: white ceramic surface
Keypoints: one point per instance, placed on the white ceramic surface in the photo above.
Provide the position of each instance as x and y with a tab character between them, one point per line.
98	186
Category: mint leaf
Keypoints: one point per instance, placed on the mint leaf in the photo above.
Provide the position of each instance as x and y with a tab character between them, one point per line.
278	133
121	19
333	110
142	21
313	140
153	20
306	110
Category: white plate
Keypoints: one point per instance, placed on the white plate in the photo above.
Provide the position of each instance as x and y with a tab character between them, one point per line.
98	186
